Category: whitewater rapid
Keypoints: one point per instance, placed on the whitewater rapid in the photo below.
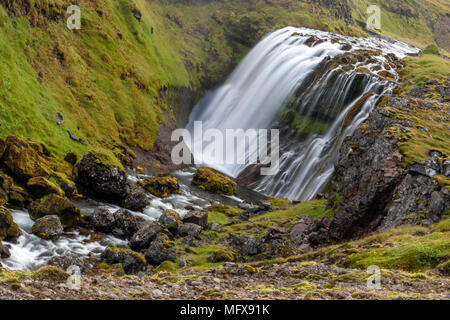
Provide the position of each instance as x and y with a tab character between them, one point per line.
263	83
29	252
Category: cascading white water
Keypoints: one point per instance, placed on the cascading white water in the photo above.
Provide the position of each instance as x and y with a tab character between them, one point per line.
267	78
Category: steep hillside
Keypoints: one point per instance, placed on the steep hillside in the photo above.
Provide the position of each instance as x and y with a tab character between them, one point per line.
117	80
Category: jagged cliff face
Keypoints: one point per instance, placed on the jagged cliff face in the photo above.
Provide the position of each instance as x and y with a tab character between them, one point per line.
379	181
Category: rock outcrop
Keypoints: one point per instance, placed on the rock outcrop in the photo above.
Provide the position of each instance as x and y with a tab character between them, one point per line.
375	186
48	227
98	178
53	204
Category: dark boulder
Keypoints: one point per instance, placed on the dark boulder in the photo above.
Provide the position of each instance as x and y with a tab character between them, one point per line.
246	245
96	177
170	220
53	204
132	262
68	188
48	227
102	220
136	200
4	251
121	223
145	235
160	250
126	224
196	217
190	229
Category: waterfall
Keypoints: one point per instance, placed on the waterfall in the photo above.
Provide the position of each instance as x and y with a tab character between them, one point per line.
297	72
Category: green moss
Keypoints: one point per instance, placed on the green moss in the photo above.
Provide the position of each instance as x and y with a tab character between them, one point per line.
162	186
223	255
213	181
278	202
432	49
168	266
50	273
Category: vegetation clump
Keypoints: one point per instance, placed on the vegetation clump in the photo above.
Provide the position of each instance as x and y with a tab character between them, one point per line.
213	181
161	186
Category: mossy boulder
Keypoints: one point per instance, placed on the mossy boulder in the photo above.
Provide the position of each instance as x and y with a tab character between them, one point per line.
136	200
48	227
170	219
161	186
196	217
145	235
53	204
98	177
50	273
8	228
222	256
160	250
213	181
121	223
24	159
40	187
131	261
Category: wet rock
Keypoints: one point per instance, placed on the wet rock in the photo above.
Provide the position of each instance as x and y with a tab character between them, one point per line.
102	220
190	229
213	181
246	245
8	228
40	187
126	224
145	235
196	217
23	159
71	158
136	200
48	227
132	262
170	220
97	178
4	251
297	232
160	250
68	188
161	186
53	204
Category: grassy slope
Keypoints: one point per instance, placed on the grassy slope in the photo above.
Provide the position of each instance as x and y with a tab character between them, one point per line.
105	78
412	30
